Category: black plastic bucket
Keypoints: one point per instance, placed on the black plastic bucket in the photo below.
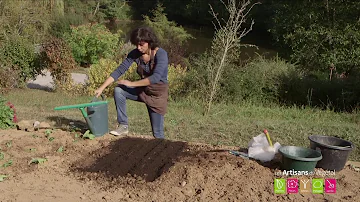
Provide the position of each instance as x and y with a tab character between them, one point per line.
335	151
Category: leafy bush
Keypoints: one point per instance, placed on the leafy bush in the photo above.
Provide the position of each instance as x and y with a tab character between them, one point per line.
25	19
61	25
176	76
91	42
113	9
99	72
69	87
259	81
186	11
318	34
169	34
7	114
9	78
121	54
18	54
99	11
197	79
57	58
339	94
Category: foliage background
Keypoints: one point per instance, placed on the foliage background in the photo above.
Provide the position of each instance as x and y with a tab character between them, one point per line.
309	37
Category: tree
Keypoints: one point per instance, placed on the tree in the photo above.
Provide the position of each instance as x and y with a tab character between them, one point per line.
25	18
318	34
227	38
173	38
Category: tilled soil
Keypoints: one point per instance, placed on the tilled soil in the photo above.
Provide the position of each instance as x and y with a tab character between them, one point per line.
137	168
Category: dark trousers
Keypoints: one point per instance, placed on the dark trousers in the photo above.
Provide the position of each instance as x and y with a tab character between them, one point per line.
121	94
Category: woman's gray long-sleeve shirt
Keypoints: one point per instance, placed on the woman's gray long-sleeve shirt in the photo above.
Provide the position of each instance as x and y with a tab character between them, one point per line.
160	73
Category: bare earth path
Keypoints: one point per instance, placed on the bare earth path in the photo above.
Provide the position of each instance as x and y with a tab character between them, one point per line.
45	81
135	168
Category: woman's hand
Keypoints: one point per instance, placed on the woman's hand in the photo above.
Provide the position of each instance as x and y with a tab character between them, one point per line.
125	82
107	82
98	92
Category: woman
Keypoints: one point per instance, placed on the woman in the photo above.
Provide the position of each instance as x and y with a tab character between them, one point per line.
152	89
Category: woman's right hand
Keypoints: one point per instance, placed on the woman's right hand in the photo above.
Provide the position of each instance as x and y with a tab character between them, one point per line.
103	86
98	92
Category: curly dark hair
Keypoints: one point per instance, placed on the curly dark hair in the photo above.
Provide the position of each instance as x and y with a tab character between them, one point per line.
145	34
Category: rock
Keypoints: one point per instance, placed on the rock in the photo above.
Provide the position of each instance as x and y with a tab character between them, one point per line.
188	192
25	125
44	125
31	129
183	183
106	197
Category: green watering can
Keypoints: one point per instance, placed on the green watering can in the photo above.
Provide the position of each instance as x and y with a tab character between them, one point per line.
96	115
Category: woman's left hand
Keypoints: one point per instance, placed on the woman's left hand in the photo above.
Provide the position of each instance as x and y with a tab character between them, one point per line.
125	82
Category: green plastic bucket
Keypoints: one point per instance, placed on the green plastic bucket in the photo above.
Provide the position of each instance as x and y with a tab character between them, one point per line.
99	118
299	158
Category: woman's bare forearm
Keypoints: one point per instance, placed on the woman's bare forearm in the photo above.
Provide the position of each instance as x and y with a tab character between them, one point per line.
107	82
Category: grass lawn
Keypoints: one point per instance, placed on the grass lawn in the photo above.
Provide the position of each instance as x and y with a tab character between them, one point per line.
226	125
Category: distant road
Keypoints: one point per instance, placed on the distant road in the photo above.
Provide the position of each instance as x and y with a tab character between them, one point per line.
46	82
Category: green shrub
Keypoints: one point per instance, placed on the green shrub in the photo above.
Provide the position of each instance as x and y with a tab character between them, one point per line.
99	11
18	53
99	72
6	115
169	34
307	90
61	25
197	79
57	58
176	77
258	81
317	34
91	42
9	78
114	9
29	20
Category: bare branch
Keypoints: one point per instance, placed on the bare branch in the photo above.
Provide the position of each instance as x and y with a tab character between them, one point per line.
226	38
251	8
215	16
216	29
245	32
96	8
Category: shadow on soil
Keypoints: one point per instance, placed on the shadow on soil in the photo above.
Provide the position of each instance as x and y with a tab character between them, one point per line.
147	158
150	158
39	87
69	124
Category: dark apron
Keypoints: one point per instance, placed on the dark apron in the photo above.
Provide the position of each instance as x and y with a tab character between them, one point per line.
154	95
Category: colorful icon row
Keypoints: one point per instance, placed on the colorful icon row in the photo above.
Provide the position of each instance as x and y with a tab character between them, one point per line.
294	185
